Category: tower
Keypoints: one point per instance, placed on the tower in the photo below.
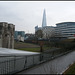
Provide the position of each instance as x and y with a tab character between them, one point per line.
44	19
7	35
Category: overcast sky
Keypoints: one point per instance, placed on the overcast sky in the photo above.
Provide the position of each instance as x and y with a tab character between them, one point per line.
26	15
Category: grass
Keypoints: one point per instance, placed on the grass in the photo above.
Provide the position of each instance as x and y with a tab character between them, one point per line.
35	49
71	70
24	45
31	49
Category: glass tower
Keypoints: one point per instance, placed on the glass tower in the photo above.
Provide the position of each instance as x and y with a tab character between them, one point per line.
44	19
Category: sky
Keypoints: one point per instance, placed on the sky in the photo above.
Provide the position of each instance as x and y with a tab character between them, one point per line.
25	15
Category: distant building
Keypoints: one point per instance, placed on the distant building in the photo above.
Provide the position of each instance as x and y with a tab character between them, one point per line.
48	32
19	35
62	30
66	29
45	31
7	35
56	32
37	28
44	23
29	36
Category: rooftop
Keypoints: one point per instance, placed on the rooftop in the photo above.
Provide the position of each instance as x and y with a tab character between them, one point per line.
65	23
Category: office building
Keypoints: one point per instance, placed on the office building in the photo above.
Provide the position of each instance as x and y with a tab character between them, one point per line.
44	19
66	29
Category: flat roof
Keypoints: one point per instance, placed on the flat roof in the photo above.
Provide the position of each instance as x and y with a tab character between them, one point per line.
64	23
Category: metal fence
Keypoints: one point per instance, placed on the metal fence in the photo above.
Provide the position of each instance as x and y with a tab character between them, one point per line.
13	64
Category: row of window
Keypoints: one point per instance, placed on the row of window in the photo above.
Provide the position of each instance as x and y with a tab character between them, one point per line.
67	27
69	34
70	30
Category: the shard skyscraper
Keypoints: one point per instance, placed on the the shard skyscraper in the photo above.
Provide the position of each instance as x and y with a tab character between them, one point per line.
44	19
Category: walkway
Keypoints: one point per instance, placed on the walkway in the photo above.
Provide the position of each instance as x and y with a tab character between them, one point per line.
55	66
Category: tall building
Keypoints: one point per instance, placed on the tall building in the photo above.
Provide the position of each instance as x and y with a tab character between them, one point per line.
7	35
44	19
67	29
45	31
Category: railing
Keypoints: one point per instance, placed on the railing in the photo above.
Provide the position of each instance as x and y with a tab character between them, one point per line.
13	64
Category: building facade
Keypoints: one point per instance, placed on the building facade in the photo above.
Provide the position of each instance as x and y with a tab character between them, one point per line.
47	32
7	35
66	29
44	23
29	36
19	35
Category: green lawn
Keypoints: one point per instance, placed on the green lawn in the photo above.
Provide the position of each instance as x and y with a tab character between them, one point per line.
35	49
71	70
31	49
18	45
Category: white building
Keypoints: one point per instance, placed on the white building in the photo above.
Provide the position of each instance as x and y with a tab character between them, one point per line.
47	31
67	29
20	38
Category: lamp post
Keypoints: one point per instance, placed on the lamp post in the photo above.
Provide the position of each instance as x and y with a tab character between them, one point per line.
41	48
41	45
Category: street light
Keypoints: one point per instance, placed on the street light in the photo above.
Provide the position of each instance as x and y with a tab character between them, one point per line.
41	42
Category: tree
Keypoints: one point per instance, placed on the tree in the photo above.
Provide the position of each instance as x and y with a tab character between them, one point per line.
39	33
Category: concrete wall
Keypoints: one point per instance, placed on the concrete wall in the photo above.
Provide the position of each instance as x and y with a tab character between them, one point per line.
0	42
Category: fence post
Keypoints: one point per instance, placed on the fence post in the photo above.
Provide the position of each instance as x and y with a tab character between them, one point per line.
33	59
25	61
14	63
41	57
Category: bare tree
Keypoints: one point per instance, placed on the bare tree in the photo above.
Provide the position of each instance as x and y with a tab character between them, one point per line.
39	34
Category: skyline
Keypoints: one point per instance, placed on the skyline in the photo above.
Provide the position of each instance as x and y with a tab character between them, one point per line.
25	15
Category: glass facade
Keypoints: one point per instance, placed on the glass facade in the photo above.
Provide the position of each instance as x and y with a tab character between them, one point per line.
21	33
44	19
67	29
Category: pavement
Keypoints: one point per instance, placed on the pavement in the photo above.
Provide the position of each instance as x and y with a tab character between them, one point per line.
55	66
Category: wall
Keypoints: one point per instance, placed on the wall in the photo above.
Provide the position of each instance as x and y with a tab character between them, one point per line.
7	35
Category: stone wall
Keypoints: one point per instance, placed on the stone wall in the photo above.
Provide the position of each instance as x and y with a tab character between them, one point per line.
7	35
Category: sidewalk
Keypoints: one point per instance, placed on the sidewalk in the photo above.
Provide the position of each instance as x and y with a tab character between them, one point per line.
55	66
